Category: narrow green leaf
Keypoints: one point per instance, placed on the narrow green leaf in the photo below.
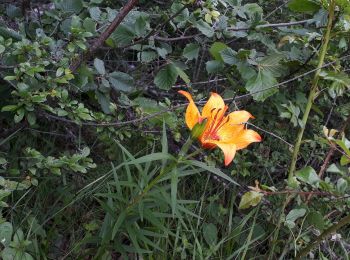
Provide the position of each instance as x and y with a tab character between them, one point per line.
211	169
174	182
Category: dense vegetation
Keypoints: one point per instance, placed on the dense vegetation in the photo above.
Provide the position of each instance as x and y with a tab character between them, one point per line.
97	161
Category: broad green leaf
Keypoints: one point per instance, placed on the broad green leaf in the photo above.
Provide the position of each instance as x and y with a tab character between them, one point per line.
95	13
334	76
123	35
250	199
333	168
271	64
191	51
70	6
6	231
146	56
166	77
150	106
210	234
121	81
141	25
344	160
89	25
9	253
342	185
13	11
205	28
99	66
215	50
31	117
9	108
293	215
308	175
315	218
104	102
261	86
343	146
228	56
304	5
214	66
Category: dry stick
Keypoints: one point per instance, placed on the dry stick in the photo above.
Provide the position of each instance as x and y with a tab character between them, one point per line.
329	155
104	36
313	92
344	221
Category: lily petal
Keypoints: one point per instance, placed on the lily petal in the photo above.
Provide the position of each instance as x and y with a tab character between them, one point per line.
215	102
239	117
234	124
192	116
246	137
228	149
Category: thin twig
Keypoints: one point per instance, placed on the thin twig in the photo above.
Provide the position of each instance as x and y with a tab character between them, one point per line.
270	133
174	39
271	25
142	119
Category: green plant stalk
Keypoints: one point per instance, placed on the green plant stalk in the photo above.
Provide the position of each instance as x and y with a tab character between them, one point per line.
312	93
277	231
344	221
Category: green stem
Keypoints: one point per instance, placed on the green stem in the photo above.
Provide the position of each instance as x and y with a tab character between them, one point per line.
313	91
344	221
277	230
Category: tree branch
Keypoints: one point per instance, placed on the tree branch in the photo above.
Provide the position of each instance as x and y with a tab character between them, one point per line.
103	37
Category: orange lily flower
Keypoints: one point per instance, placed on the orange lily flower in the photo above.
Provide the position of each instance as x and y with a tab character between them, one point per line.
227	132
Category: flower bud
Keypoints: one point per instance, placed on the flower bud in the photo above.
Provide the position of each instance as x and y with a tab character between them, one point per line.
198	129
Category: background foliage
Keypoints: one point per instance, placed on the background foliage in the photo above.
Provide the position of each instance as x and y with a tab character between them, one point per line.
94	160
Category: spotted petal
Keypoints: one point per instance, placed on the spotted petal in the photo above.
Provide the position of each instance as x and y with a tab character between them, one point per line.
215	102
